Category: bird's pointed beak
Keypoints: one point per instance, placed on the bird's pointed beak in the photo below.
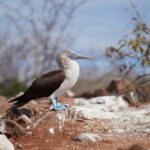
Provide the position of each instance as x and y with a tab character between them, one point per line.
77	56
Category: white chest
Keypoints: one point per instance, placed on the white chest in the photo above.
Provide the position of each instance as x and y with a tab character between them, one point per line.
72	74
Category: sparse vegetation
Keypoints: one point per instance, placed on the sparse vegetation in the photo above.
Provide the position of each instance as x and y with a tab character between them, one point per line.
133	51
12	86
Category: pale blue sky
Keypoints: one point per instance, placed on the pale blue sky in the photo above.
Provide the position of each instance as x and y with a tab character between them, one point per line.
101	23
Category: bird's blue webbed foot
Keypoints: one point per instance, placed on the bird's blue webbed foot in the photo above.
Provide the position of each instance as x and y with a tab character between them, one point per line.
59	106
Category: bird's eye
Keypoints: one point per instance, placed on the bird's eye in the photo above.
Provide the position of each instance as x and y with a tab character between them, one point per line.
72	56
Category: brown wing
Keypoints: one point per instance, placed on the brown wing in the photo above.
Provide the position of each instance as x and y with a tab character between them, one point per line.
45	85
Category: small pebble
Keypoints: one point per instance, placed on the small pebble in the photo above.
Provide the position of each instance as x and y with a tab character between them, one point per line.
19	146
29	133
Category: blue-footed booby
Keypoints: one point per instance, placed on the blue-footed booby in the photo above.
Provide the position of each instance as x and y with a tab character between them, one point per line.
55	83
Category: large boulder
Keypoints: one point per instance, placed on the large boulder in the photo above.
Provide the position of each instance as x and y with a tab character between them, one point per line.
5	144
104	103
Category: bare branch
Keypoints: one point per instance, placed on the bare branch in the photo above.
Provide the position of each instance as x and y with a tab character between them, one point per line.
36	36
137	11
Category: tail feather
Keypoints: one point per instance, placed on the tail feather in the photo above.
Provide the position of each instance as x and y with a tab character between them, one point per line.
20	101
17	99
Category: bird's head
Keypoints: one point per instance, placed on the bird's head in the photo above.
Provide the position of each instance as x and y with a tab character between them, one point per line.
72	55
64	58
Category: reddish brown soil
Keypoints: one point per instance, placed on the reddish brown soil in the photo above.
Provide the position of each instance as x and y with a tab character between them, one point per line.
41	139
63	139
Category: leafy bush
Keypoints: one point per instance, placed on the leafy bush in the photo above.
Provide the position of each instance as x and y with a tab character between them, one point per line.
12	86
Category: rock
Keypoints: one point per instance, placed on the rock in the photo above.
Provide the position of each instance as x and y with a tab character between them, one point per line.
131	98
3	127
97	107
29	133
120	86
18	146
28	127
5	144
11	128
93	93
87	137
27	112
104	103
78	112
51	131
135	98
14	114
46	140
136	147
24	121
83	112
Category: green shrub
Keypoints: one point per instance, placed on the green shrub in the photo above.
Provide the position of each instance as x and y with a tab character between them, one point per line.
11	87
